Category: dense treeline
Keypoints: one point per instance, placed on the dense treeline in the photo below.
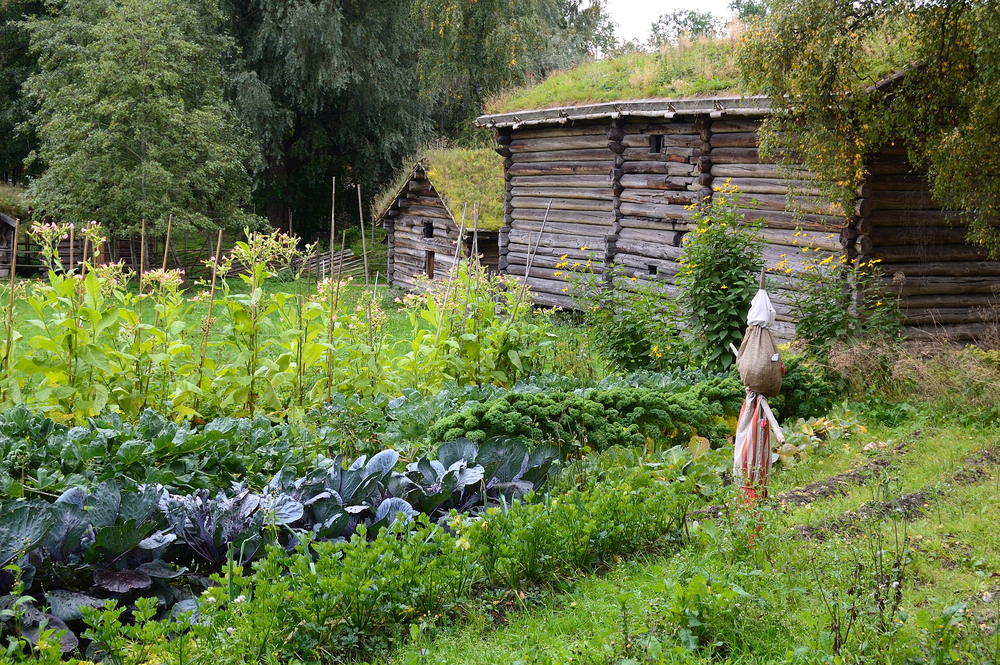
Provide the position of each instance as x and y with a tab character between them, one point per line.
232	113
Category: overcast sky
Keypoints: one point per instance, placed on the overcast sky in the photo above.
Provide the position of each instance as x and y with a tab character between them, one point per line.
635	16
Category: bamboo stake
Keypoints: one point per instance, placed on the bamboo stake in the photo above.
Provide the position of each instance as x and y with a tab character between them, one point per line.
10	306
335	303
208	320
468	276
156	313
451	277
364	247
72	242
138	327
531	259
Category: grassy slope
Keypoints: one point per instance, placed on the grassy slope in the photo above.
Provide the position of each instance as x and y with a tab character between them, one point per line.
690	69
954	554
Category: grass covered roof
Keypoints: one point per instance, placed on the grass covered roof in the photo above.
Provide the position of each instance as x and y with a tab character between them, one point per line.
691	68
461	176
12	202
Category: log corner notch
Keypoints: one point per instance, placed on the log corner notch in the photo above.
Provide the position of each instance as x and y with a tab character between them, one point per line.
504	139
615	135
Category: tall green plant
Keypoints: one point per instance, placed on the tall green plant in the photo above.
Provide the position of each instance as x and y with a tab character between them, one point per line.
718	276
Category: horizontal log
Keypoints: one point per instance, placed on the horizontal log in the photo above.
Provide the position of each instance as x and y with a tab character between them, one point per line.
943	268
572	216
897	182
659	197
428	202
894	149
890	167
790	220
807	204
560	168
652	250
759	171
914	218
581	242
656	224
976	300
568	260
589	129
918	199
667	237
568	229
736	156
578	181
790	238
665	268
590	142
668	128
542	272
562	204
545	193
740	126
563	156
924	286
923	316
933	253
884	236
666	141
656	211
735	140
678	155
659	168
956	332
771	186
646	181
428	211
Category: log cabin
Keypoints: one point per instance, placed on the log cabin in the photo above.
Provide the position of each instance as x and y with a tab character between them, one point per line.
423	216
8	243
621	178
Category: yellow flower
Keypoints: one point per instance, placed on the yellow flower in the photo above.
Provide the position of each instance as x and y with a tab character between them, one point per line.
558	273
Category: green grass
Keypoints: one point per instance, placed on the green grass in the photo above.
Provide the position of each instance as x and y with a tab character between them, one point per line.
955	556
693	68
12	201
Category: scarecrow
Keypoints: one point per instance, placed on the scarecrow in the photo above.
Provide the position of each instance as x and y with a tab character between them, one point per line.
761	370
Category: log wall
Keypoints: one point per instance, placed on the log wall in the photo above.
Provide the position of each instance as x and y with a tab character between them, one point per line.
418	223
621	187
943	283
571	165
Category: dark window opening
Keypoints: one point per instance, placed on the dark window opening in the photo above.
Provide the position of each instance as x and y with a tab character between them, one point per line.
429	264
656	144
428	229
652	270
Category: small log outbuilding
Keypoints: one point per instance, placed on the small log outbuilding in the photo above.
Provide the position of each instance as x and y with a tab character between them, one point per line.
8	243
622	176
422	223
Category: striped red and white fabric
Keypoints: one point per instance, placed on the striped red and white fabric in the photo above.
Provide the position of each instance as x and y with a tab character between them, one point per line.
752	459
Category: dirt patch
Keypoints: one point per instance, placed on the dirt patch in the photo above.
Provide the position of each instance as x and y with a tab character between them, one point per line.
836	485
908	506
976	468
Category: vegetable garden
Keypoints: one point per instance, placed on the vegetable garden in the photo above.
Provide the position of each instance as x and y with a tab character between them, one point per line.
264	468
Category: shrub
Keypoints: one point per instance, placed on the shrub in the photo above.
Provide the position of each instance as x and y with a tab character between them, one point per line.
593	420
718	277
806	391
839	302
635	324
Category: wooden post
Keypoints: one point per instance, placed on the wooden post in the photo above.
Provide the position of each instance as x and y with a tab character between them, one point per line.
208	320
451	278
10	306
531	259
364	247
72	242
334	304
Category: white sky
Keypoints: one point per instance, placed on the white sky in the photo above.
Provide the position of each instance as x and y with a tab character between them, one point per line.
635	16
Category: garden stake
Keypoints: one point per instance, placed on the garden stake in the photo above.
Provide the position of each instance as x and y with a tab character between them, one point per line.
468	277
156	313
138	327
71	244
364	247
335	303
451	277
208	319
531	259
10	307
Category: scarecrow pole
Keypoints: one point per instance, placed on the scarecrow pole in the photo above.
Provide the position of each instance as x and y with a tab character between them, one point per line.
761	370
